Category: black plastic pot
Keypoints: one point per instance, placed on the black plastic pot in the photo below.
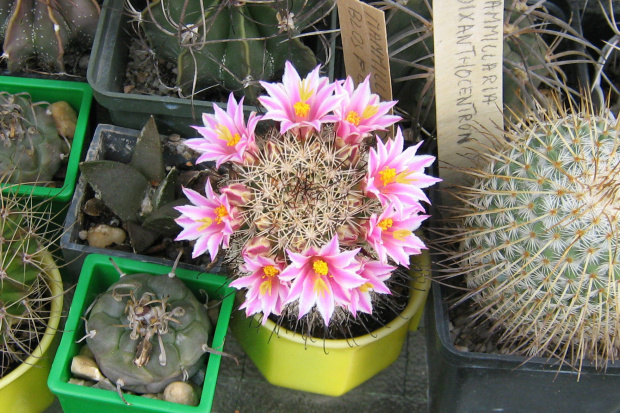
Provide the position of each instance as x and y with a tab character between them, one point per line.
478	382
116	144
106	73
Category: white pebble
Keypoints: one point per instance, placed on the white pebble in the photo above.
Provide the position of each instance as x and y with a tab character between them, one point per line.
86	368
182	393
103	236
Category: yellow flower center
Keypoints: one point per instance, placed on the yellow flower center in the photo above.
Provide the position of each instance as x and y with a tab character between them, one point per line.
385	224
224	133
206	223
401	234
366	287
353	118
221	212
270	271
301	109
370	111
320	267
387	175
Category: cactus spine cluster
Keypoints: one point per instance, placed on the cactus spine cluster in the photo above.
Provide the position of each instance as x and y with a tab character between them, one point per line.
234	46
44	30
26	287
31	149
539	234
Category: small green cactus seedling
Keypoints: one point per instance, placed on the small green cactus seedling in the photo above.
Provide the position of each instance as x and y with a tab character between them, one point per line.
25	266
140	193
45	30
539	233
230	44
147	331
31	149
535	55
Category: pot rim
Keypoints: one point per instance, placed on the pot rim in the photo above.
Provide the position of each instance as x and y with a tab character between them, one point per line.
55	284
420	286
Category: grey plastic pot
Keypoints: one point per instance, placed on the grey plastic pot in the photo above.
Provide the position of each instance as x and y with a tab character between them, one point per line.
106	72
478	382
116	144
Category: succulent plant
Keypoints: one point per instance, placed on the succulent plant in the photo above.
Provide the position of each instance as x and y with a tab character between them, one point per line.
31	149
147	331
230	44
25	264
45	30
141	193
538	235
535	55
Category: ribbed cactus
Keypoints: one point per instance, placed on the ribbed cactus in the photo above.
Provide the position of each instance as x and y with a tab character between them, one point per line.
539	234
44	30
536	55
147	331
25	264
31	149
230	44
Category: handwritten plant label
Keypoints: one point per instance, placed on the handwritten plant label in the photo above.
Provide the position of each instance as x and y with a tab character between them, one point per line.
468	42
364	44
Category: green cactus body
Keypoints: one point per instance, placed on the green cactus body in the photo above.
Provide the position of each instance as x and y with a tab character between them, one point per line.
540	235
30	148
44	29
147	331
216	44
25	264
531	62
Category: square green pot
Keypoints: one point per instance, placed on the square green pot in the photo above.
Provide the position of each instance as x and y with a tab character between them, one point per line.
79	95
97	275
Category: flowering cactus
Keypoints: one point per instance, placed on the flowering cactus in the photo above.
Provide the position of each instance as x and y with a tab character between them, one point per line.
314	213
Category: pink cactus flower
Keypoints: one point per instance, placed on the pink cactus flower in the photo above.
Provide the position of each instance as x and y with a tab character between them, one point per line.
256	246
361	112
397	176
391	233
375	273
300	104
266	292
322	277
226	137
210	221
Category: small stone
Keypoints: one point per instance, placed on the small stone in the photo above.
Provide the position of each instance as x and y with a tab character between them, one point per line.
103	236
105	384
182	393
86	368
81	382
151	396
86	352
462	348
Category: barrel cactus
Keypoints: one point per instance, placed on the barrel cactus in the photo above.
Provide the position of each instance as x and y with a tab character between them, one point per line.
31	149
147	331
535	54
230	44
25	265
45	30
539	234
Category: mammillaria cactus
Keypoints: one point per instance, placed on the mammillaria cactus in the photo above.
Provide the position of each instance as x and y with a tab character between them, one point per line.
230	44
147	331
31	149
538	234
535	54
45	30
26	265
315	213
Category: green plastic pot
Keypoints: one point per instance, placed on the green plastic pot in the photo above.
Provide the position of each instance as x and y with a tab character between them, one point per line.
329	367
97	275
24	389
79	95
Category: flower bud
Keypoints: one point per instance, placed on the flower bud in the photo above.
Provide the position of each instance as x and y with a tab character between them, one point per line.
237	194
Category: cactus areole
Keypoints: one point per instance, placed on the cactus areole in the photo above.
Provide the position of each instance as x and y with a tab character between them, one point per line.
147	331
